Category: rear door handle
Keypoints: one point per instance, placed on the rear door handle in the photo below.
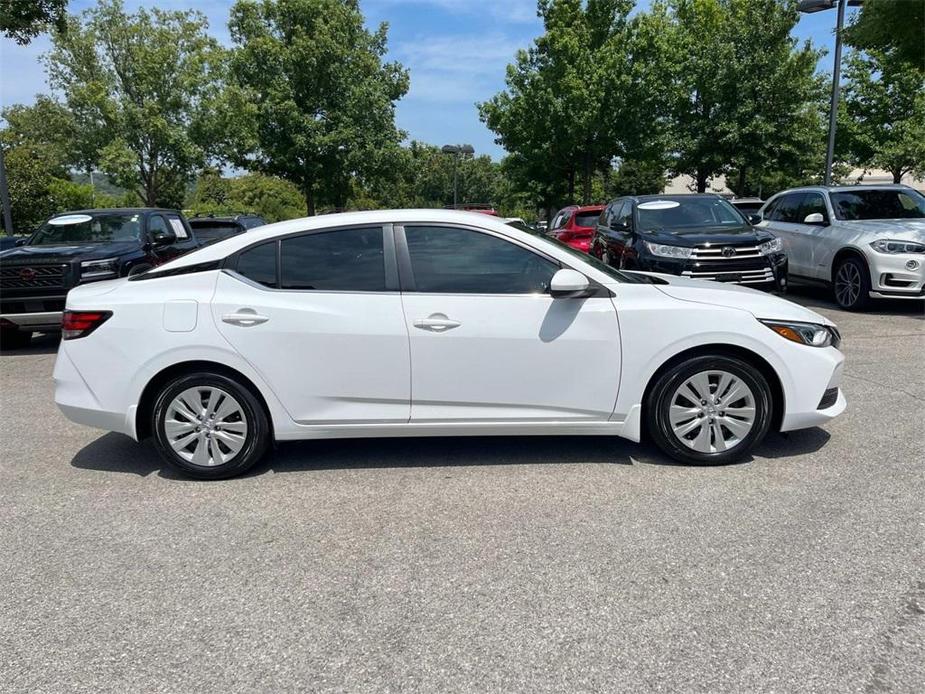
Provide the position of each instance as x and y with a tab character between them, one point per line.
245	317
437	323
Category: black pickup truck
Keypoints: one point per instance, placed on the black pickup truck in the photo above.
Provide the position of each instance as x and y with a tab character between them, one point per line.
77	247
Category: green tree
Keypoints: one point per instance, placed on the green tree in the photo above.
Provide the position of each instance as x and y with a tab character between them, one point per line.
744	94
23	20
140	85
268	196
887	26
310	99
883	113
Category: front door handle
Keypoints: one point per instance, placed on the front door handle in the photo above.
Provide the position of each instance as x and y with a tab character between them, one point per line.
436	323
245	317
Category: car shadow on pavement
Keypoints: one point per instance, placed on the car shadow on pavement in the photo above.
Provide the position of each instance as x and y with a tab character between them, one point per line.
44	343
118	453
818	296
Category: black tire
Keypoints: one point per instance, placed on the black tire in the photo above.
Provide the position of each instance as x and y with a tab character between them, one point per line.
665	390
15	339
851	284
256	437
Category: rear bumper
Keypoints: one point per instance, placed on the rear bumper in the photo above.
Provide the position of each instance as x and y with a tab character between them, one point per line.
41	321
76	399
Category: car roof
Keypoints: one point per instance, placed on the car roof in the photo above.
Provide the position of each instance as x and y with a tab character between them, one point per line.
846	189
117	210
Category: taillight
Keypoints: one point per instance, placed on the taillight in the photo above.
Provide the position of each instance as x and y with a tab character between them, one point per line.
76	324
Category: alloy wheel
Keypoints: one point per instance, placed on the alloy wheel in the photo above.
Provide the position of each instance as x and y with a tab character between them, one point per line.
205	426
712	411
848	284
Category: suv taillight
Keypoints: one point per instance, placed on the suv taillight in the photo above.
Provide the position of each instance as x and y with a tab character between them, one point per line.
76	324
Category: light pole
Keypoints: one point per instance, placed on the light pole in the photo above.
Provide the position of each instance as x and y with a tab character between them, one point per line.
809	7
5	197
457	150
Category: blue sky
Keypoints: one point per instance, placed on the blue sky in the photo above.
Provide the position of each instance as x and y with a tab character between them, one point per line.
456	51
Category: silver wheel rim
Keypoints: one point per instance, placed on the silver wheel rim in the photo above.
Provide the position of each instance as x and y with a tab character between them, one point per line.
205	426
848	284
712	412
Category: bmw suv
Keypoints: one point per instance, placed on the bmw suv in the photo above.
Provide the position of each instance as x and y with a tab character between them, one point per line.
863	241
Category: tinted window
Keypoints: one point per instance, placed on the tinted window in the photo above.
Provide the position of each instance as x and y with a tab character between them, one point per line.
879	204
252	222
623	212
586	219
813	203
788	208
459	261
157	225
345	260
259	264
212	231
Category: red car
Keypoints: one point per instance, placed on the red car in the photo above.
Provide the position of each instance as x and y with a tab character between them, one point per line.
575	225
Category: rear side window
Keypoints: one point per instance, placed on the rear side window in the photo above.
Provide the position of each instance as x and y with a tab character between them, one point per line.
460	261
787	209
586	219
259	264
346	260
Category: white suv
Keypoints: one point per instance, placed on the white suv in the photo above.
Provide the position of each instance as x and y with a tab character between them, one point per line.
865	241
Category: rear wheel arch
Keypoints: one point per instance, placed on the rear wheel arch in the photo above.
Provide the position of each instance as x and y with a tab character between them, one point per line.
154	386
723	350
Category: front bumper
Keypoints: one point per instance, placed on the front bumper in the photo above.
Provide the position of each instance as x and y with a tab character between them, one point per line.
42	321
891	277
767	272
813	379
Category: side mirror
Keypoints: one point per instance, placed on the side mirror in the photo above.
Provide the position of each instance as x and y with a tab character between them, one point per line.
754	219
619	226
161	237
815	218
568	284
21	242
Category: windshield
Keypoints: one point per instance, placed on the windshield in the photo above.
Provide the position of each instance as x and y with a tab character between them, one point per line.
584	257
689	213
879	204
72	229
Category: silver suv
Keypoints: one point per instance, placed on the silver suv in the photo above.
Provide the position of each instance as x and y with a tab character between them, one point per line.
864	241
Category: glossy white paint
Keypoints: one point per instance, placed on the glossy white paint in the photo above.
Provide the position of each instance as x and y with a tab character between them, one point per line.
341	364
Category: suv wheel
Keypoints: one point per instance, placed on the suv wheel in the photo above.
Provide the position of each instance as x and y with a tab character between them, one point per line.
209	426
852	284
14	339
709	410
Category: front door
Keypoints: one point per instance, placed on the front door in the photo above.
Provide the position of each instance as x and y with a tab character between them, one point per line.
489	344
782	218
323	325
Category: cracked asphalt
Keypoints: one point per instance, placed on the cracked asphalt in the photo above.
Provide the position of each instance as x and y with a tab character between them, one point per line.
516	565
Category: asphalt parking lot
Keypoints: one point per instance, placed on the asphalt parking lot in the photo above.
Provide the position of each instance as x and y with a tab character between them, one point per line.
572	564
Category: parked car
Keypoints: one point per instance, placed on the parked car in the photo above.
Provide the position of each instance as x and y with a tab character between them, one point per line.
210	228
574	225
7	242
432	323
747	206
78	247
863	241
697	236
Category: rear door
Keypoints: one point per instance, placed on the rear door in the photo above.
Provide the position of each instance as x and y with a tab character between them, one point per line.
319	316
489	344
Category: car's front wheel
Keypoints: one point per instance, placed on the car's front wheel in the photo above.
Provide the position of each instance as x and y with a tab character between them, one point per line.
709	410
852	284
209	426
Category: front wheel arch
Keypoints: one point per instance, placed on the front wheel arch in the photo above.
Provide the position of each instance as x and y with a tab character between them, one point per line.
844	254
154	386
721	350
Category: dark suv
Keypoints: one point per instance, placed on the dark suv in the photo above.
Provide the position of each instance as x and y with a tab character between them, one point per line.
698	236
79	247
210	228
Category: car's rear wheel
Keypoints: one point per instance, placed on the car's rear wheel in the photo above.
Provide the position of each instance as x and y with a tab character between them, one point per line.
209	426
851	284
709	410
14	339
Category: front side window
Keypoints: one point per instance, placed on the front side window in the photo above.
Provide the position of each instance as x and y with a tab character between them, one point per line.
346	260
449	260
813	203
878	204
787	208
88	228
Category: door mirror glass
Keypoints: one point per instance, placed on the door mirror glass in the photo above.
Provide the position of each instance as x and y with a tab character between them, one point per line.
569	283
754	219
814	218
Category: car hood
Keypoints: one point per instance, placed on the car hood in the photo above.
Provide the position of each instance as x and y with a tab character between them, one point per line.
759	304
64	253
899	229
718	235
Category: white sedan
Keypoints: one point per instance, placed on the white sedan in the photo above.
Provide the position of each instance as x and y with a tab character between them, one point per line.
432	323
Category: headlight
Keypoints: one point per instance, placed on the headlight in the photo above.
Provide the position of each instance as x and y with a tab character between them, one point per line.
665	251
887	246
775	245
811	334
99	269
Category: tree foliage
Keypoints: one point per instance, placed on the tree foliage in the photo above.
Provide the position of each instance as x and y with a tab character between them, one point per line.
23	20
313	101
139	85
891	26
272	198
